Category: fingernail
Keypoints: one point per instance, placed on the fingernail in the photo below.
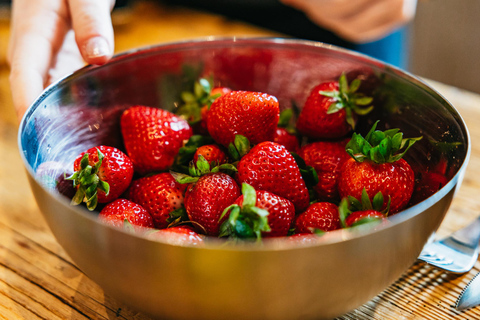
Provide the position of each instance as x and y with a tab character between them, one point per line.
97	47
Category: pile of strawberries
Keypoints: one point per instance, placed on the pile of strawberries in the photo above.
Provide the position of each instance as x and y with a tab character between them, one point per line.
229	164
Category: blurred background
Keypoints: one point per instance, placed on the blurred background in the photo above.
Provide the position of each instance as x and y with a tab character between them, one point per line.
441	44
445	45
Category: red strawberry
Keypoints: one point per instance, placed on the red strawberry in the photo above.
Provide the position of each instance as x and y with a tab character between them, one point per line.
159	194
116	212
101	175
152	137
258	214
251	114
366	215
330	109
187	151
377	166
219	91
286	139
270	167
202	127
196	102
212	153
354	212
319	216
206	199
178	235
327	159
394	180
286	132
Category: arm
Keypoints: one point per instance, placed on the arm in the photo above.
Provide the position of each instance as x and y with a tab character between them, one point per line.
358	20
50	38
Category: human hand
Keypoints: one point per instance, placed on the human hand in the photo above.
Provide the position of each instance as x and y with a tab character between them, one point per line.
50	38
358	20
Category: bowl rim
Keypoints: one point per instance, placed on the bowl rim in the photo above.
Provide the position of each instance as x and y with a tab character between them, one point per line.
336	236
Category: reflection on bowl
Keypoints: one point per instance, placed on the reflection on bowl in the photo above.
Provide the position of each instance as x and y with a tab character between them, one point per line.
281	279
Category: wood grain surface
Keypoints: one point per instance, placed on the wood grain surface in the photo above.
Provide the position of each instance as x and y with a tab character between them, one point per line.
39	281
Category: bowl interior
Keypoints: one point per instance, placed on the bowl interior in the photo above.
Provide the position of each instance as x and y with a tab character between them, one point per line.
83	110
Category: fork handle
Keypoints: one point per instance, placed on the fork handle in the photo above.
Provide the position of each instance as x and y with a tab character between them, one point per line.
469	235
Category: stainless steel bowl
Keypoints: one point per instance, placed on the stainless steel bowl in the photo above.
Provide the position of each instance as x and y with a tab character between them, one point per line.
281	279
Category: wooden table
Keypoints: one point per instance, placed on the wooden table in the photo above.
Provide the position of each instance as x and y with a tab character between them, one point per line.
39	281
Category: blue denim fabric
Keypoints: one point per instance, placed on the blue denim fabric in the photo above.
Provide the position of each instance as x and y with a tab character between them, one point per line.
392	49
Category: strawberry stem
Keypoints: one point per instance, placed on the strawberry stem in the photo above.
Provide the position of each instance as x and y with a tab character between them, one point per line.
239	147
379	146
183	178
201	168
350	204
308	173
87	182
195	98
348	99
247	221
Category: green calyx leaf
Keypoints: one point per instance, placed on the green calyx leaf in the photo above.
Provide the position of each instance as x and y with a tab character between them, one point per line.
127	226
180	217
285	117
228	168
201	168
193	99
183	178
379	146
285	120
246	221
239	147
365	204
87	182
104	186
344	211
348	99
308	173
177	216
377	202
349	204
249	195
366	220
243	230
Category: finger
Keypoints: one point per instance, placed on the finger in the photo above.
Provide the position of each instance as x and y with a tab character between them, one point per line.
38	27
68	59
26	86
409	9
92	23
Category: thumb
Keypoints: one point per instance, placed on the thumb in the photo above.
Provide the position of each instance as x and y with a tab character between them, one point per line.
92	24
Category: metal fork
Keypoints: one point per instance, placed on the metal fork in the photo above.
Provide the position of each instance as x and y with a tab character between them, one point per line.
456	253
